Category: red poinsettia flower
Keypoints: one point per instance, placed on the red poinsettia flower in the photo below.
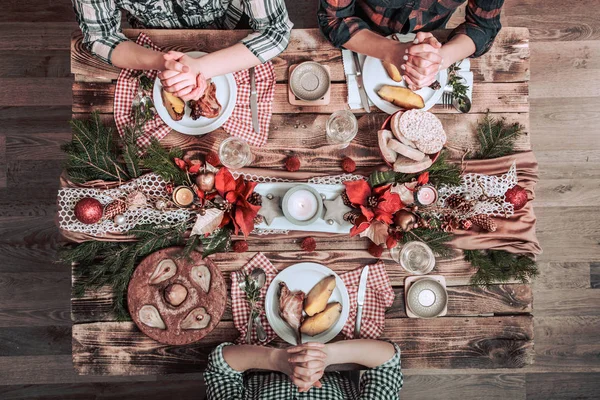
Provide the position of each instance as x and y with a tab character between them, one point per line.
236	193
423	179
375	204
190	166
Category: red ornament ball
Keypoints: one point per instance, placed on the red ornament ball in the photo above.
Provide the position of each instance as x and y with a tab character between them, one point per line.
292	163
348	165
517	196
308	244
240	246
375	250
88	210
212	158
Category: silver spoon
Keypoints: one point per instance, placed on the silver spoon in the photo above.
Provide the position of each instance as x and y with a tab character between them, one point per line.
259	275
463	105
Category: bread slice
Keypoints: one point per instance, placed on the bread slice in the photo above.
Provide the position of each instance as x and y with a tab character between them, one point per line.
395	126
408	166
405	150
384	136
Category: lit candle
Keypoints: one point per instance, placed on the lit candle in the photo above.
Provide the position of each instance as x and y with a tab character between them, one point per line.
426	298
427	195
302	205
183	196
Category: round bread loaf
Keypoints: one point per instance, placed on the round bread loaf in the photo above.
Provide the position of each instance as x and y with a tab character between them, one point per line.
395	126
424	129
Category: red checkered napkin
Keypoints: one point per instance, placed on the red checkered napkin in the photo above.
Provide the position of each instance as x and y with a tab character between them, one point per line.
239	305
378	298
125	92
240	122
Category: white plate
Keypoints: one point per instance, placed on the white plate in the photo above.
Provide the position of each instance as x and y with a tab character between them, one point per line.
320	225
375	76
226	95
305	276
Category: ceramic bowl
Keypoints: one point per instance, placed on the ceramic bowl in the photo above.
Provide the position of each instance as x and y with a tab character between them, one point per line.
285	209
310	81
427	298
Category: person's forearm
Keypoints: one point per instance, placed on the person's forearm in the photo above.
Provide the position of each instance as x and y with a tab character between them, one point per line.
133	56
225	61
458	48
245	357
366	352
371	44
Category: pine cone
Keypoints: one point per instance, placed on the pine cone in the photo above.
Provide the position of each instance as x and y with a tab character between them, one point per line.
255	199
346	199
372	201
450	224
351	216
458	203
115	208
485	222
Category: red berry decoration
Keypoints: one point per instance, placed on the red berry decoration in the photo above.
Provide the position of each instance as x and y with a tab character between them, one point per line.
348	165
308	244
88	210
212	158
240	246
292	163
375	250
517	196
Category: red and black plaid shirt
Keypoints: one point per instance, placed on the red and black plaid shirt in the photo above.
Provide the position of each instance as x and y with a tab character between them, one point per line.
341	19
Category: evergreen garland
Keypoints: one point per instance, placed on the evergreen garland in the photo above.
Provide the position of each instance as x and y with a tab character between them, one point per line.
435	239
160	161
495	266
496	137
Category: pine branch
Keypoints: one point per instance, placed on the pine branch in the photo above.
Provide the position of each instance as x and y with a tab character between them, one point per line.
499	266
191	245
496	137
436	240
218	241
131	152
160	161
443	172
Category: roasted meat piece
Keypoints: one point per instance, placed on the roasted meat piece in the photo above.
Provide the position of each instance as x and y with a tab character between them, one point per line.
290	307
207	106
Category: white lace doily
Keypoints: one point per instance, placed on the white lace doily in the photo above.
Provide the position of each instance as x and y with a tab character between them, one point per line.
324	180
153	186
478	185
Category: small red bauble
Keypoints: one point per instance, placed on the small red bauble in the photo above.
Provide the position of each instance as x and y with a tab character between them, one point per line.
88	210
348	165
292	163
213	158
517	196
240	246
375	250
308	244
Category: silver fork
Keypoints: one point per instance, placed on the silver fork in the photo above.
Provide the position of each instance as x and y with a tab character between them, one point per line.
447	100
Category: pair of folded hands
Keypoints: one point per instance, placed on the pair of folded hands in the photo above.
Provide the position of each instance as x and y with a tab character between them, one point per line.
421	61
181	76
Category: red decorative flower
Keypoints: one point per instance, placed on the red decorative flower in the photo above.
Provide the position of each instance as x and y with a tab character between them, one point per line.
237	192
377	204
240	246
308	244
190	166
423	179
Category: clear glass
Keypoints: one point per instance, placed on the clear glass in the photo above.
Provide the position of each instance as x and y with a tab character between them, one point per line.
415	257
342	127
235	153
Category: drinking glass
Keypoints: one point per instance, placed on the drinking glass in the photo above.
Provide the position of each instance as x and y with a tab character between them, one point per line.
415	257
235	153
341	127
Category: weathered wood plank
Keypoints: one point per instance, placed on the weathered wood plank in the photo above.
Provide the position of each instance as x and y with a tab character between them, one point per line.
35	341
559	385
42	11
35	92
33	36
44	63
507	61
495	97
96	306
119	348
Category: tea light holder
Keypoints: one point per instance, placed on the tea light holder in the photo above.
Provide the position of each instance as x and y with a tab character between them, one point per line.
183	196
425	297
302	205
426	195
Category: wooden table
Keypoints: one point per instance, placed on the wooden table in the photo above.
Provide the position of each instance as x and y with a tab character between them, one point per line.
484	328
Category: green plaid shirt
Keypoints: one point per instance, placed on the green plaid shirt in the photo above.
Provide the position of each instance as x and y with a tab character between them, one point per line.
100	21
225	383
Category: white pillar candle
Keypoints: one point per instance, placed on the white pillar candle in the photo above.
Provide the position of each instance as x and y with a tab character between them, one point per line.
302	205
426	298
426	195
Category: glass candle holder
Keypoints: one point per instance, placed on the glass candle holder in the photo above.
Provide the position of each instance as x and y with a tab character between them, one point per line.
341	128
415	257
235	153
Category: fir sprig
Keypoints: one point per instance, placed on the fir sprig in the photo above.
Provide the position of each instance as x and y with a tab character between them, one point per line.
455	81
160	161
496	137
497	266
436	240
92	153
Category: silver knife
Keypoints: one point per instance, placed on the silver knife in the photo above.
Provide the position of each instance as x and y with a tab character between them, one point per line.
364	99
253	102
360	300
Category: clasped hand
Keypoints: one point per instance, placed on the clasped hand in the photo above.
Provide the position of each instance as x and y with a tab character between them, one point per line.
421	61
306	365
181	77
